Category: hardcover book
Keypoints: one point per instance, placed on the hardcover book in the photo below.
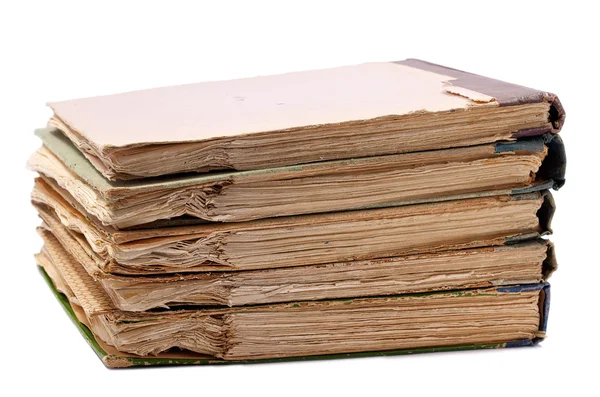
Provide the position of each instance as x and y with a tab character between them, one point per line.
354	111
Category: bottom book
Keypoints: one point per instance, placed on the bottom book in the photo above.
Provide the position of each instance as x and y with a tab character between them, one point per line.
413	323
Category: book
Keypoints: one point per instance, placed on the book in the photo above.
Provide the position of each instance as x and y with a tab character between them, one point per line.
304	239
371	109
475	318
492	169
522	263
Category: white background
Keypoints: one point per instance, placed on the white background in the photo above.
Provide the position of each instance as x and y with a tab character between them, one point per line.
53	50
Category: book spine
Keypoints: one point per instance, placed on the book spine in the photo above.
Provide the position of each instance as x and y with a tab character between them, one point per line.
506	94
544	309
554	166
550	264
551	173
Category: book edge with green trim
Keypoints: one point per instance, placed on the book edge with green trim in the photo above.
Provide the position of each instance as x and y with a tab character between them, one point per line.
553	171
116	361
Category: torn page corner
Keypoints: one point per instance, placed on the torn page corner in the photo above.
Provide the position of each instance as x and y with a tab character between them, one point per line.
467	93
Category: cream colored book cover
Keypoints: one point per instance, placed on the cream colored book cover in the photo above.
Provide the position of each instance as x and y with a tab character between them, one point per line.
294	118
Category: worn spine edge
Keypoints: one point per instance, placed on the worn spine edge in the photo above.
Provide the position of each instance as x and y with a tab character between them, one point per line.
552	171
112	361
550	264
554	166
544	309
556	114
546	213
506	94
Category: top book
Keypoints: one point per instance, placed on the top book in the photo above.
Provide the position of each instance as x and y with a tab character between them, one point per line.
302	117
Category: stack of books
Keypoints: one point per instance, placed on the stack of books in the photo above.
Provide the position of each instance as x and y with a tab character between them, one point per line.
382	208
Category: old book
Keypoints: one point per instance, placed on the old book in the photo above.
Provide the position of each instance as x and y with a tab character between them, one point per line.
490	169
306	239
523	263
489	317
355	111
